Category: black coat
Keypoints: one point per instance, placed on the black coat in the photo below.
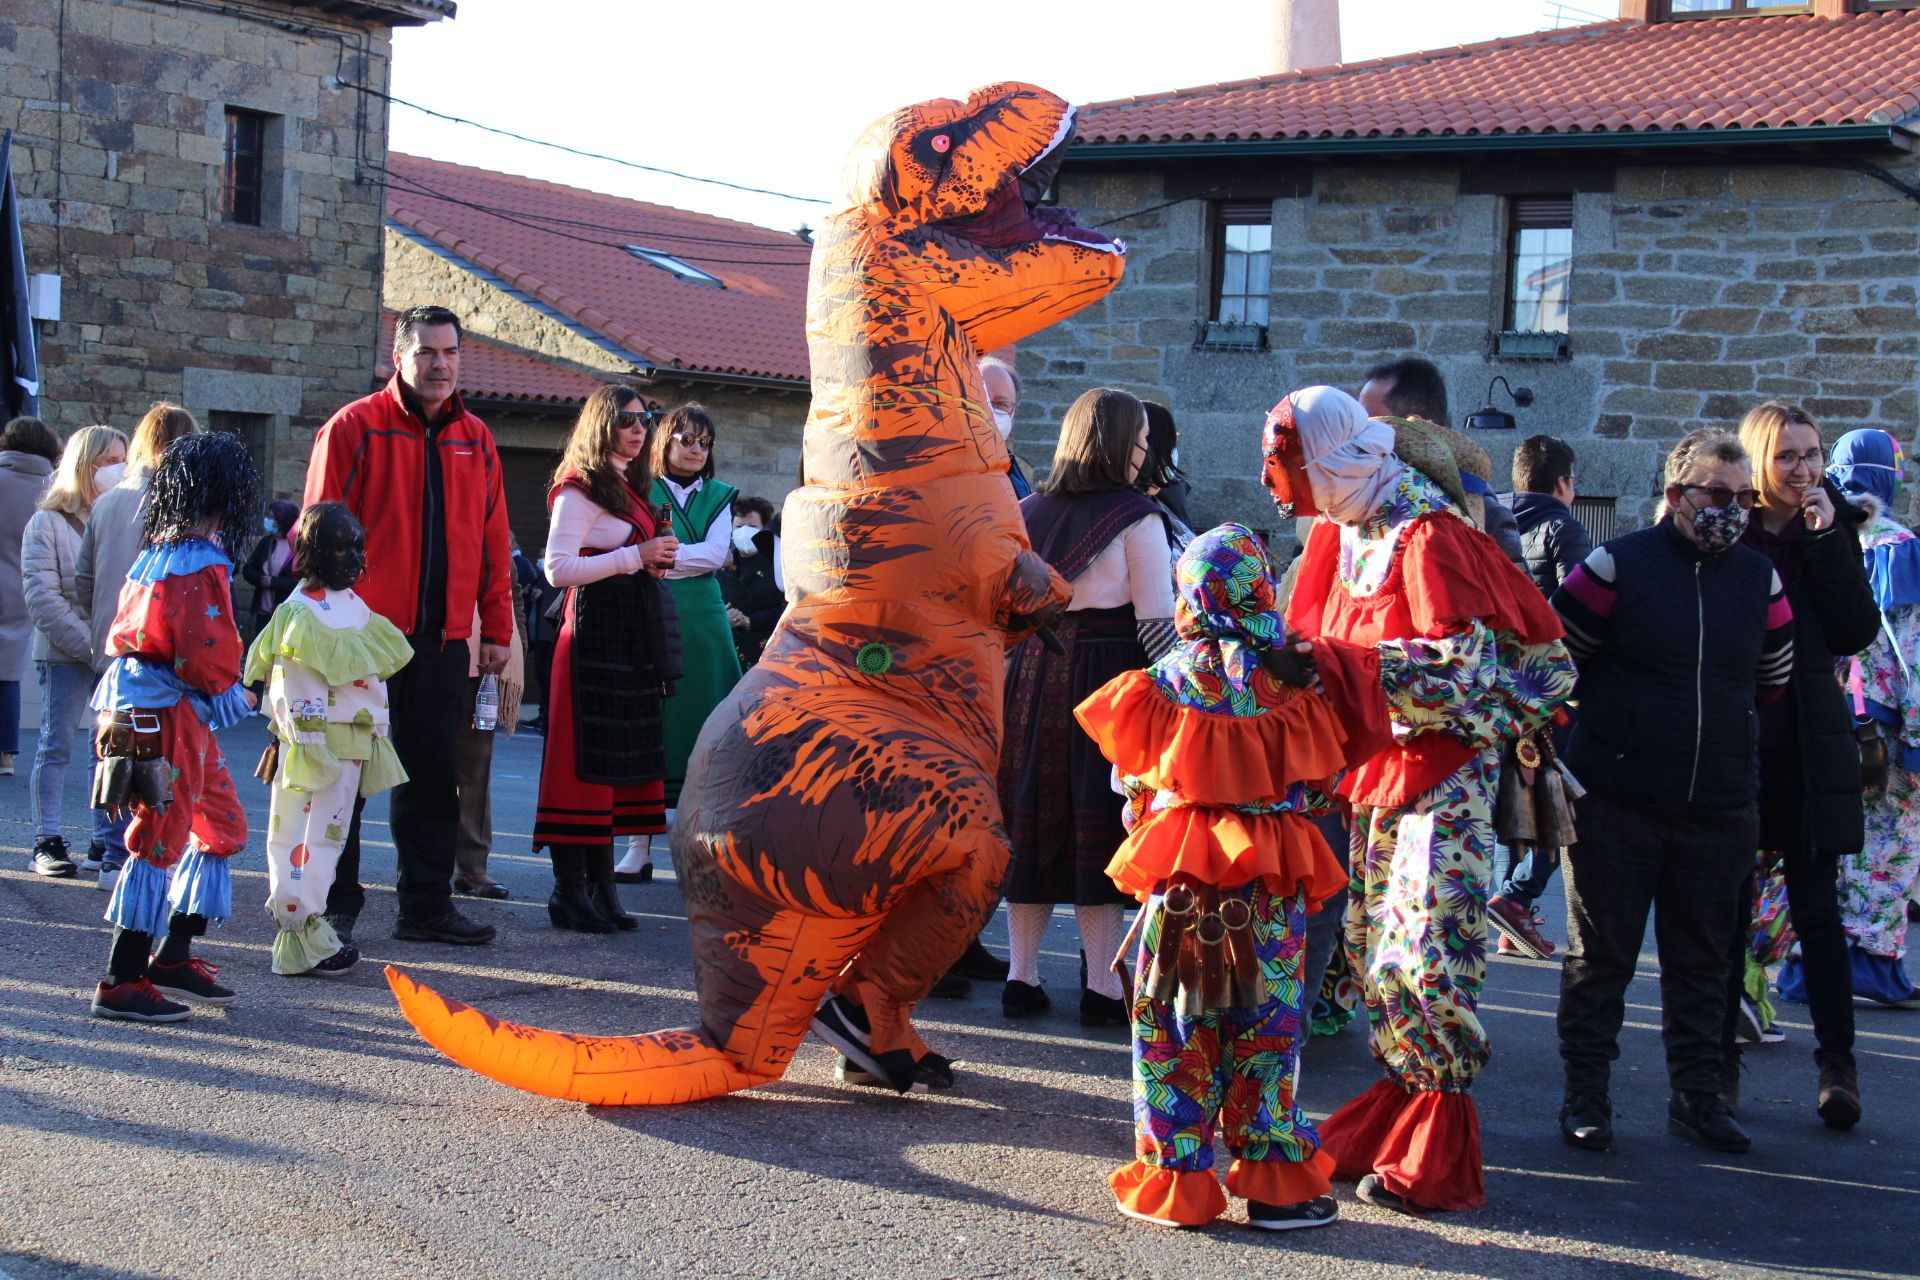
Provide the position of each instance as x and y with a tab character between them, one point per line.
747	584
1552	539
268	592
1834	617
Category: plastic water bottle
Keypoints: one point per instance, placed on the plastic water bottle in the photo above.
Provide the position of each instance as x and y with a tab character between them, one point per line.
486	707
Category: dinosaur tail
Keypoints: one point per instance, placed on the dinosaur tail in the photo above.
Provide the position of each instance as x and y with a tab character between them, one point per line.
656	1069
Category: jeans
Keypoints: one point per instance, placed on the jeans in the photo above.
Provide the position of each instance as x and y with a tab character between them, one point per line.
64	690
427	703
1324	926
1687	868
9	717
1523	881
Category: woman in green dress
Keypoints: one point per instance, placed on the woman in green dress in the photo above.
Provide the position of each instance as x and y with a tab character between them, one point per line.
702	512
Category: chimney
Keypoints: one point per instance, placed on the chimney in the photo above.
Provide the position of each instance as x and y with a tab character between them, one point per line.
1306	34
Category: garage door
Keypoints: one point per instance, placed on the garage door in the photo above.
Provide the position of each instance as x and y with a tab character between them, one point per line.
525	473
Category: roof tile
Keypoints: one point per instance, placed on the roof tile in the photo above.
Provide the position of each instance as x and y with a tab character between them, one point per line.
1611	76
563	246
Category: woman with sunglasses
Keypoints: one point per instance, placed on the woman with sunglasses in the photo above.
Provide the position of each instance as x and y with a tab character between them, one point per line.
1678	631
1811	812
701	509
603	760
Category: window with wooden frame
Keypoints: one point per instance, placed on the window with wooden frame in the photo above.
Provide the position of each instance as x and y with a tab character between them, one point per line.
1539	263
244	175
1719	8
1242	262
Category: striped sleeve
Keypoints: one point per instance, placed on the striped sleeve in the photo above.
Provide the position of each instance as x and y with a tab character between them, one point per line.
1585	603
1776	652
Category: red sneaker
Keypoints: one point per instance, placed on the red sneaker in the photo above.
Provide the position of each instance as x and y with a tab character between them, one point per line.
1515	924
136	1002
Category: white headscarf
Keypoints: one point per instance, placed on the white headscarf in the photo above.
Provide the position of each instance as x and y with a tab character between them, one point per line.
1349	456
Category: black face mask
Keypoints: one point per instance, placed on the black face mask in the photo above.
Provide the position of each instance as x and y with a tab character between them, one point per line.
339	553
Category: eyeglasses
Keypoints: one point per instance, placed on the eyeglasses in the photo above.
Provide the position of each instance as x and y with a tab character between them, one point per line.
635	417
1813	459
1721	495
686	441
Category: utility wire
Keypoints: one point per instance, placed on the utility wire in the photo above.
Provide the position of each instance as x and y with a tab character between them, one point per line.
576	151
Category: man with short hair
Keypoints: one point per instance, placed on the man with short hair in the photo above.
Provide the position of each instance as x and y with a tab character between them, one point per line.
1412	387
1003	401
423	476
1553	541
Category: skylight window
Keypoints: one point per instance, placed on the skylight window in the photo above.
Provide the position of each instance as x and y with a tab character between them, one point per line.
675	267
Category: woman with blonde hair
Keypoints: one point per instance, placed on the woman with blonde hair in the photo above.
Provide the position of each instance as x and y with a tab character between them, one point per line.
1811	811
604	763
62	642
113	538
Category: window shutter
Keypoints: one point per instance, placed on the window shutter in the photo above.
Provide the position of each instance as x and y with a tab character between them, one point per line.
1542	212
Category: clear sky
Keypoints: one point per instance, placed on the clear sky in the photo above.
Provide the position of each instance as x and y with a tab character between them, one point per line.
770	93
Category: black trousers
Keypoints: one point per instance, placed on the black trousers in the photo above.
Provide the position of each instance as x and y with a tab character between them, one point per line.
1688	868
1813	907
427	703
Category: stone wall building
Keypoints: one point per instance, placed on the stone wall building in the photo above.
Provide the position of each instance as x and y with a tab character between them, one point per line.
205	179
683	306
1641	220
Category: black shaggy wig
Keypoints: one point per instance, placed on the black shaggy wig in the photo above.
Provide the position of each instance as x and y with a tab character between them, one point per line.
203	479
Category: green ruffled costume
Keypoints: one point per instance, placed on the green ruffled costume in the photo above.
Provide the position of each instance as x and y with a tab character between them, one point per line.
326	701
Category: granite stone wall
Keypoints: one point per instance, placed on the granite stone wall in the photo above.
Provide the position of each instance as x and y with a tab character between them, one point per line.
1698	290
119	149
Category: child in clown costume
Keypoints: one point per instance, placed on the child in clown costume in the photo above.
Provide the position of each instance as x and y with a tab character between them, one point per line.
325	657
172	679
1225	752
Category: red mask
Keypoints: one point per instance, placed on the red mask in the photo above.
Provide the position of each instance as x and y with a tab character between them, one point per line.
1283	462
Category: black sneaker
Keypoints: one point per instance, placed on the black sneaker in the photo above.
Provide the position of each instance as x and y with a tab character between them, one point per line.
1321	1211
979	963
843	1024
1372	1190
136	1002
1703	1118
96	857
1586	1121
451	928
50	858
931	1072
339	963
191	979
1022	998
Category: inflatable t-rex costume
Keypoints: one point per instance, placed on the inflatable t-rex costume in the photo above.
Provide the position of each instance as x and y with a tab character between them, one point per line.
840	827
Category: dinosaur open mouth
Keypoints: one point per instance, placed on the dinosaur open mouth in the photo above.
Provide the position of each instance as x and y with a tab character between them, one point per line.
1014	215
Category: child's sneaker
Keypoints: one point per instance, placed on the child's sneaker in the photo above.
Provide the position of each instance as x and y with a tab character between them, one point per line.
50	858
1320	1211
189	980
337	964
136	1002
96	857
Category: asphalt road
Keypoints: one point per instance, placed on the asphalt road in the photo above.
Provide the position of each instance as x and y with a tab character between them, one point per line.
306	1130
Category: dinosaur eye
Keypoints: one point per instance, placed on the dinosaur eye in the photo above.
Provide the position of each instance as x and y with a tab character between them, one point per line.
941	142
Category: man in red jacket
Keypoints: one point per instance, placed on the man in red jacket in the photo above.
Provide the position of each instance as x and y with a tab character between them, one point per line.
423	476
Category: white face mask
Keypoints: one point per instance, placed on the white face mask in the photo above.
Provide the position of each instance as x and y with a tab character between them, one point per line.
109	477
1004	421
743	539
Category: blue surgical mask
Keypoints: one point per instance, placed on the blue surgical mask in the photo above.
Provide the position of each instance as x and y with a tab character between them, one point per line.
267	524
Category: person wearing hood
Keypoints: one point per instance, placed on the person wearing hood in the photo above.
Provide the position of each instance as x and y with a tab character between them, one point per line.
1470	658
28	452
1876	883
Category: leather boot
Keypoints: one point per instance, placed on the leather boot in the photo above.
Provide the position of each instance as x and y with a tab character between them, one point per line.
1704	1119
600	887
1839	1103
1730	1068
571	907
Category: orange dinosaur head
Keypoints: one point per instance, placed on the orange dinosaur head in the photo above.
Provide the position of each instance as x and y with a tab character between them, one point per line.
975	169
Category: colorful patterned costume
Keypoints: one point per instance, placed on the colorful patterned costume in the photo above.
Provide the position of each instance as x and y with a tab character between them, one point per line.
173	649
840	827
1223	763
325	658
1470	658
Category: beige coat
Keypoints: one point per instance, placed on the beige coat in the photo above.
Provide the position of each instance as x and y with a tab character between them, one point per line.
107	551
49	556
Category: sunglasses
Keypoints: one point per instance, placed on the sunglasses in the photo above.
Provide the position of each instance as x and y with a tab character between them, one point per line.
635	417
692	442
1721	495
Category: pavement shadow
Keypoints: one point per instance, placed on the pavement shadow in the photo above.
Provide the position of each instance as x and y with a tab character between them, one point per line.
30	1266
41	1112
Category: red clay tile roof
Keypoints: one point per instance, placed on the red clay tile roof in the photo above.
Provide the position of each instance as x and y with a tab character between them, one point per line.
492	371
563	246
1738	73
